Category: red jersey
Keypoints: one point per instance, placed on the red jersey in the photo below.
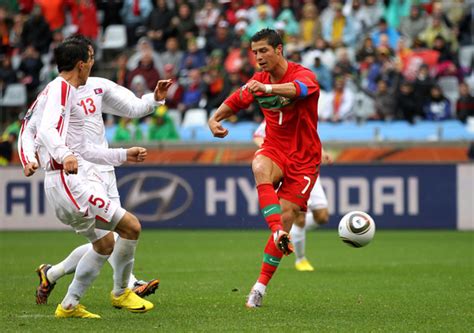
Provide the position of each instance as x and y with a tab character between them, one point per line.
291	123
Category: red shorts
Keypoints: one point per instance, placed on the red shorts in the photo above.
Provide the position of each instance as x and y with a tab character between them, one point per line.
298	179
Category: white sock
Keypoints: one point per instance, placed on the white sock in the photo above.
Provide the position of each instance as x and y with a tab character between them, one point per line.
68	265
122	260
133	278
260	287
87	270
298	237
310	224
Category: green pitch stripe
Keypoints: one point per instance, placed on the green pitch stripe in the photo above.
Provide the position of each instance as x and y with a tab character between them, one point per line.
271	209
271	260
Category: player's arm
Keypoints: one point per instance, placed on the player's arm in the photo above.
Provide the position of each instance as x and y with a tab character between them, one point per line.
305	85
26	147
52	126
111	156
123	103
240	99
326	157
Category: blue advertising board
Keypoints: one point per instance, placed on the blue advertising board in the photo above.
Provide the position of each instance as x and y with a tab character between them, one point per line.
397	196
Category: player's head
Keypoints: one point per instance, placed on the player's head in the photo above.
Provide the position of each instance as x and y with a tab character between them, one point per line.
75	55
267	46
83	39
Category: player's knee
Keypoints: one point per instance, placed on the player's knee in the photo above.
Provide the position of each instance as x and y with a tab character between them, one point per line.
129	227
321	216
104	245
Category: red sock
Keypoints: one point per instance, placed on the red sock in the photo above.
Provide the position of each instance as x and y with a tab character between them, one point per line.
271	260
270	206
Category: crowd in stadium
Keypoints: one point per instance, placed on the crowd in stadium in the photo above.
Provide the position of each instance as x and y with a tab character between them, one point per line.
374	60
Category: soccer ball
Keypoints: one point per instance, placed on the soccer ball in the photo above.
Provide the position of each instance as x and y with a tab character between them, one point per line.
356	229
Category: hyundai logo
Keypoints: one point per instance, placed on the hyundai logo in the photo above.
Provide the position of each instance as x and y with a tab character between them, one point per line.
155	196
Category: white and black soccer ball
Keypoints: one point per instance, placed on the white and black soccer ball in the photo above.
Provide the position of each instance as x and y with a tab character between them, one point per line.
356	229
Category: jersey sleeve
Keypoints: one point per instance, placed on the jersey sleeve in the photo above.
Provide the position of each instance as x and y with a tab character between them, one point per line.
26	143
305	83
122	102
240	99
53	122
100	155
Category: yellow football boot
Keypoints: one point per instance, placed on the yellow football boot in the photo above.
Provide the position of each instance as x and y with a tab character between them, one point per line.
130	301
303	265
79	311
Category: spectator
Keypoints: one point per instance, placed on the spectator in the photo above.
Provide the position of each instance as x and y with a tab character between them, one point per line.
183	25
206	18
310	24
36	32
369	14
384	29
193	93
175	91
29	70
214	80
412	25
292	27
340	30
5	25
438	106
128	131
343	66
232	82
422	86
447	60
122	73
84	16
134	14
146	69
367	49
144	46
323	74
221	39
16	31
340	103
161	127
435	28
111	11
6	149
158	25
173	55
54	12
406	106
231	12
263	20
328	58
193	58
465	103
7	74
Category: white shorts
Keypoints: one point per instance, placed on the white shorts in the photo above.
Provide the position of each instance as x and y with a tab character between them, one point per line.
82	203
109	182
317	198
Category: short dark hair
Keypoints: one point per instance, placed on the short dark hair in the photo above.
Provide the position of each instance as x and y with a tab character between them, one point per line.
80	38
69	53
272	36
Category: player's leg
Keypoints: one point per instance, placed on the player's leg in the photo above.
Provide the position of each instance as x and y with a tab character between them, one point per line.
298	237
318	206
140	287
272	256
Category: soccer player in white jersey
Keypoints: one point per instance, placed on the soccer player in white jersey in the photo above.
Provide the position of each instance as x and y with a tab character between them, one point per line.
316	215
97	96
79	202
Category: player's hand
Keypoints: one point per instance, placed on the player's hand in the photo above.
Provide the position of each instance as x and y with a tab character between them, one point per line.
326	158
255	86
216	128
136	154
161	89
30	169
70	165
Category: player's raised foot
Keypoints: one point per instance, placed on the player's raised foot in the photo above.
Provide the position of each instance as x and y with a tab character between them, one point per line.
79	311
144	288
303	265
130	301
283	242
254	299
45	287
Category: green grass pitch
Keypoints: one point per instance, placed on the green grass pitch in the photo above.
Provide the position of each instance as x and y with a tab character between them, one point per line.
405	281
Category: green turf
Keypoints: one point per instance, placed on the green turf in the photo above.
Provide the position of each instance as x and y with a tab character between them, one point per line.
408	281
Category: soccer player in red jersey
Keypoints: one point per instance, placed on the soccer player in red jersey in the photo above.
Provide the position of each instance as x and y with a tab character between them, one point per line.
291	152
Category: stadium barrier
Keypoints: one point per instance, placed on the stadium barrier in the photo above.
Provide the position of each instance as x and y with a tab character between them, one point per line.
405	196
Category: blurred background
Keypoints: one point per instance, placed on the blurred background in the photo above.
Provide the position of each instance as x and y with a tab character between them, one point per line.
396	109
